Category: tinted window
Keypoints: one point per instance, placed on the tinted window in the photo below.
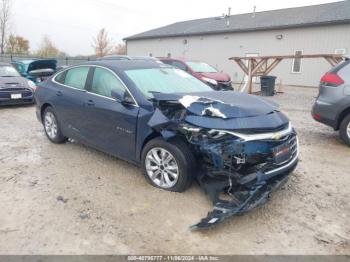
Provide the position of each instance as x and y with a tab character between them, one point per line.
76	77
60	78
104	82
179	65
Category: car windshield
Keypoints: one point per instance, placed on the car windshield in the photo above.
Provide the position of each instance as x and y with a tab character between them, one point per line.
8	71
165	80
201	67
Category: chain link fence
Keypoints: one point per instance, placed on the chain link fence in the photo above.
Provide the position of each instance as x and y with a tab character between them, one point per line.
62	61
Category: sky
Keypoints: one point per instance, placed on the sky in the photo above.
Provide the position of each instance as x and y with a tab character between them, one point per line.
72	24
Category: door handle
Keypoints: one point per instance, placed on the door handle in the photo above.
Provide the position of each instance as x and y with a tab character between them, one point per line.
59	93
90	103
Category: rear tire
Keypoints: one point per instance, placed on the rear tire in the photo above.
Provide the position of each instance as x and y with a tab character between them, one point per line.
179	171
344	130
51	126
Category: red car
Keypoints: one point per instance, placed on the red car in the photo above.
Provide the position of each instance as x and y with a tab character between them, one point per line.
202	71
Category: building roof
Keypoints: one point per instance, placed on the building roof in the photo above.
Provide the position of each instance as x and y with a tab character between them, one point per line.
315	15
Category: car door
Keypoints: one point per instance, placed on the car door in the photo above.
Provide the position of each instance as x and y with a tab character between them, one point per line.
111	124
69	101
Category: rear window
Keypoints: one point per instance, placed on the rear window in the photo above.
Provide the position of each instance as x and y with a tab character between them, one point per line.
340	66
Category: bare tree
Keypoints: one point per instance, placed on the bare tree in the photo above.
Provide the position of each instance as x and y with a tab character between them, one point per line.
102	43
5	14
48	49
120	49
17	45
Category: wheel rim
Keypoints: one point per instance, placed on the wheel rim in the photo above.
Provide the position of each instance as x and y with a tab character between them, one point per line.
50	124
348	130
162	168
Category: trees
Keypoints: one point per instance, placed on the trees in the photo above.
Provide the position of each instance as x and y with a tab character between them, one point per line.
5	13
102	43
17	45
48	49
120	49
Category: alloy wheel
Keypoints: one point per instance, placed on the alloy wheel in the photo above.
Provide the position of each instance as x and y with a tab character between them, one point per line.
348	130
162	168
50	124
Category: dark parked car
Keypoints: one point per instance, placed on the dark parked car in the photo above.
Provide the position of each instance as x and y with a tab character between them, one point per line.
332	106
175	127
113	57
146	58
36	70
202	71
14	89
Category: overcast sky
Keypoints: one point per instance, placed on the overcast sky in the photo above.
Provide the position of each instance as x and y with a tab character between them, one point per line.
72	24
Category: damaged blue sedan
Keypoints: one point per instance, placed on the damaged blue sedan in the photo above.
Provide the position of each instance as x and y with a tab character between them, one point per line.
238	147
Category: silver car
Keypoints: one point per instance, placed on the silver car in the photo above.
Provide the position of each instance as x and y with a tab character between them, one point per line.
332	106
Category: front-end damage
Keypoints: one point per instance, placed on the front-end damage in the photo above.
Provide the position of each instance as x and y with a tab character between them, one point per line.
244	152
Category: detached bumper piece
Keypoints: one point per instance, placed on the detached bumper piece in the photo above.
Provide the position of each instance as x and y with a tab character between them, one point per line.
248	193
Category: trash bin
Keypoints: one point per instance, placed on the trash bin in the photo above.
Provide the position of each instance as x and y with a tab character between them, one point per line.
268	85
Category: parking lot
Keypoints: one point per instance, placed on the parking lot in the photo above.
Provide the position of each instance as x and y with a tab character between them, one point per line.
75	200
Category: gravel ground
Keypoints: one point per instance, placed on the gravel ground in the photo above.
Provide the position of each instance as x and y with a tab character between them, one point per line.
70	199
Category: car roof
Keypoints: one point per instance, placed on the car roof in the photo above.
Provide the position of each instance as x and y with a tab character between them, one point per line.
126	64
182	59
113	57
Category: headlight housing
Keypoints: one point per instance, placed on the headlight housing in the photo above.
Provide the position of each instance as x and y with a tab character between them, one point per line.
210	81
32	85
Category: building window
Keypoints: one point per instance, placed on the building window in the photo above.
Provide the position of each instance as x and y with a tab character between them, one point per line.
340	51
296	67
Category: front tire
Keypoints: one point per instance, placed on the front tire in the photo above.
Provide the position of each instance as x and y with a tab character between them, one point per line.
344	130
52	127
169	165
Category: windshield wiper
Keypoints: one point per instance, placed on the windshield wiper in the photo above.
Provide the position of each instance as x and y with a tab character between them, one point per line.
154	92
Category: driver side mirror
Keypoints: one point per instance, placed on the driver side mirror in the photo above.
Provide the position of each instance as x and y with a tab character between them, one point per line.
124	99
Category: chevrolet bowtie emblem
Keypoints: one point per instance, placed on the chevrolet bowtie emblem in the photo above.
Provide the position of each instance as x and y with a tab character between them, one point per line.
277	136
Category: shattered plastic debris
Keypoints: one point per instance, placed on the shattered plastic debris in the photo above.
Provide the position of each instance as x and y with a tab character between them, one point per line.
214	112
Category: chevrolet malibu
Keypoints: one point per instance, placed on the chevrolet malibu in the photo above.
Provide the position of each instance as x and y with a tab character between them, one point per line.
176	128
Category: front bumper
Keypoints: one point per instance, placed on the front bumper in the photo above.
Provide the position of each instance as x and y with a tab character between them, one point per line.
22	101
26	97
255	192
246	192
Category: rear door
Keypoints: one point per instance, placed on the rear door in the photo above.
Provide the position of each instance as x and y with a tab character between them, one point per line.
111	125
70	96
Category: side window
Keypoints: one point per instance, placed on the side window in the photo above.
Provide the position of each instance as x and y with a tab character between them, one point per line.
60	78
104	82
296	68
179	65
76	77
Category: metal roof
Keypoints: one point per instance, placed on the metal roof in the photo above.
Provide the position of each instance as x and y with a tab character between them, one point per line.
315	15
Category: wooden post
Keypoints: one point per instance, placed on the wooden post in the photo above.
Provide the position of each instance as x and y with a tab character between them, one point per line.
250	76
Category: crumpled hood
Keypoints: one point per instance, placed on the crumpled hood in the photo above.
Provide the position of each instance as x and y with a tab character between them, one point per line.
221	77
223	110
221	104
12	82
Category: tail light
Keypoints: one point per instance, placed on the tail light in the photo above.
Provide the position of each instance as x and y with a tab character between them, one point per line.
331	79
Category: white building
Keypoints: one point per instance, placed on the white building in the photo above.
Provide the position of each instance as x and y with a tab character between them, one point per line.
317	29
